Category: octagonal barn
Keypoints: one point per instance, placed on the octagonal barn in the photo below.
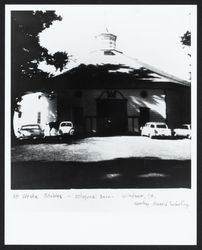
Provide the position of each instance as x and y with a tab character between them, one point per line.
112	93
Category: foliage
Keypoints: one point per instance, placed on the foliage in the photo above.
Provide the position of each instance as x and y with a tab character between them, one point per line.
27	52
59	60
186	39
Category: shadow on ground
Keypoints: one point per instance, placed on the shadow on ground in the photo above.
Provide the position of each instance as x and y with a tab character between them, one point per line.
76	139
117	173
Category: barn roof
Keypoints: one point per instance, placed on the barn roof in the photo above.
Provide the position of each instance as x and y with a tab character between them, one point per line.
108	60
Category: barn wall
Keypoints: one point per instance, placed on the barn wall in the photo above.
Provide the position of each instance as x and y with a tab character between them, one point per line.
178	104
186	105
86	100
79	105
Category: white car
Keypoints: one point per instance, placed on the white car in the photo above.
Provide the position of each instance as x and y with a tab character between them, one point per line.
66	128
152	129
183	131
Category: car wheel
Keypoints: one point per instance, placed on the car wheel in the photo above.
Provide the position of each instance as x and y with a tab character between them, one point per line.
71	132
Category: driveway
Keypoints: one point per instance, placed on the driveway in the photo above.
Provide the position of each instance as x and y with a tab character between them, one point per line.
104	148
102	162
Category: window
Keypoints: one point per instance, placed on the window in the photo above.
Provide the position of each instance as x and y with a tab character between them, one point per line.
39	117
143	94
68	124
161	126
184	127
28	127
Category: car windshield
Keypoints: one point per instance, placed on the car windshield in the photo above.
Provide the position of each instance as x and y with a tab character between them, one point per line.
161	126
28	127
64	124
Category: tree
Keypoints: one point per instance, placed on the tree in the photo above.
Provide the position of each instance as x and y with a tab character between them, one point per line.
59	60
27	53
186	42
186	39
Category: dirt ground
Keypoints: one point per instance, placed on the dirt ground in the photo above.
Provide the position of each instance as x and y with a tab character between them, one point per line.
103	148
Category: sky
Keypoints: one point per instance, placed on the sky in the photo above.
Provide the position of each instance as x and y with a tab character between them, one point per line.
149	33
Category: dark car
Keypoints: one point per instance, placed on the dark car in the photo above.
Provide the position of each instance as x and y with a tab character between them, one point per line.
31	131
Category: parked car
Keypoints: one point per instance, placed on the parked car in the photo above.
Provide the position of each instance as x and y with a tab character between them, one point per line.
31	131
152	129
183	131
66	128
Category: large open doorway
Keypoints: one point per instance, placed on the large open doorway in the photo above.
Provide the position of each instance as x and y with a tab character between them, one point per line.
112	116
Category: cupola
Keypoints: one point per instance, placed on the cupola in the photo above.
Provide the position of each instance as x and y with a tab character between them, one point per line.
106	42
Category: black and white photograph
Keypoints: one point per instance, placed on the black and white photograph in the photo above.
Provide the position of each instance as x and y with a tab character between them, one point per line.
101	103
101	97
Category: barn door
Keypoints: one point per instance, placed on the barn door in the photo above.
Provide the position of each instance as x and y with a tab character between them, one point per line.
112	116
144	116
